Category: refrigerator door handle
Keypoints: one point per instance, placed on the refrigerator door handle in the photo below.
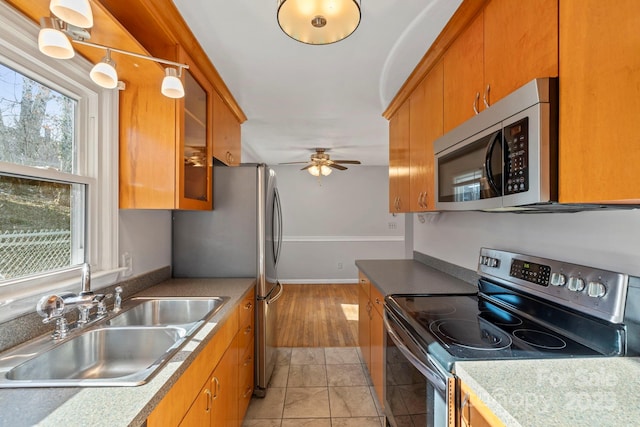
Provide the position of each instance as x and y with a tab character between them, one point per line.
278	295
276	238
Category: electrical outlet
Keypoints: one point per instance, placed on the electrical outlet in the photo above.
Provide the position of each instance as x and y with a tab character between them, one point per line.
126	261
340	266
393	226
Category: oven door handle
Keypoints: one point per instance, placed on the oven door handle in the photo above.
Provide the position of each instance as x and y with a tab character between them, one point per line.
431	374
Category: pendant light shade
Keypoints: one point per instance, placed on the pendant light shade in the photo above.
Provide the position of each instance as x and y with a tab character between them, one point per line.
319	21
74	12
52	41
104	73
171	84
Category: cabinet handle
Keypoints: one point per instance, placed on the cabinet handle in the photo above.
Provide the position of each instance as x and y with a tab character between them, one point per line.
485	98
247	392
247	330
378	301
208	393
248	361
216	388
363	281
369	306
248	306
424	200
465	403
476	102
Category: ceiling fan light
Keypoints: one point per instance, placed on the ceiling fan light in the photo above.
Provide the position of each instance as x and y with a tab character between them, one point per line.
325	170
74	12
314	170
171	84
104	73
320	21
52	41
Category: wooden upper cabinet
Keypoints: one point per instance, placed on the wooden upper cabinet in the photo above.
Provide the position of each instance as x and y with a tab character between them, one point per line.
463	75
506	45
194	115
165	144
425	127
599	101
226	133
399	160
520	44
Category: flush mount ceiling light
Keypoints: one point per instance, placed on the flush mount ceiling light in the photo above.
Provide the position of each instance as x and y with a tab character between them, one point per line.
319	21
68	25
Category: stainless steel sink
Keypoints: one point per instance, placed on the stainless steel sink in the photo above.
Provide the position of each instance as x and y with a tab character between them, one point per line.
102	357
126	350
183	312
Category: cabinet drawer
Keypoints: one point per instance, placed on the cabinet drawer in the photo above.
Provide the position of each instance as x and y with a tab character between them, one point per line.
245	380
247	309
377	299
364	282
245	336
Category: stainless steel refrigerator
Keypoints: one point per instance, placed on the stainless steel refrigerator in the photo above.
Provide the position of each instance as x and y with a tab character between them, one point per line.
240	237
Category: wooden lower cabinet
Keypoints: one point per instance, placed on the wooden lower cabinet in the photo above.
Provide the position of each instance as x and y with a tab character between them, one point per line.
371	333
216	389
473	412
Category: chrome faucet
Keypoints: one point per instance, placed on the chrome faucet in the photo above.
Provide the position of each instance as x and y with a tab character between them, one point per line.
53	307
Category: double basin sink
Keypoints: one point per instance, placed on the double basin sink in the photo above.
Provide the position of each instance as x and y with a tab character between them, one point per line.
124	350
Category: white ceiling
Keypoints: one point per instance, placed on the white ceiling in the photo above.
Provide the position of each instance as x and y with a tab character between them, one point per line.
297	96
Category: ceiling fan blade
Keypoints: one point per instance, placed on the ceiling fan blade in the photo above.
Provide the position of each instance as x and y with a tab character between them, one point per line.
336	166
347	162
306	167
292	163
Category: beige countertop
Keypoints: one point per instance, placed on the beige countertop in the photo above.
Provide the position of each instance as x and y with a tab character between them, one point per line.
122	406
603	392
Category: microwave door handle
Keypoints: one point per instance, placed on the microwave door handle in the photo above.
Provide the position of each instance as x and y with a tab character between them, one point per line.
487	161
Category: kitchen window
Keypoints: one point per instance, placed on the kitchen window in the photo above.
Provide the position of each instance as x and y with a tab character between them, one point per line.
58	170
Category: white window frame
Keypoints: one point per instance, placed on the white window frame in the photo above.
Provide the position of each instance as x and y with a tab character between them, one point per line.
97	160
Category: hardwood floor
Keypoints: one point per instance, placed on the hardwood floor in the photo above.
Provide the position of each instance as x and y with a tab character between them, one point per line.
318	316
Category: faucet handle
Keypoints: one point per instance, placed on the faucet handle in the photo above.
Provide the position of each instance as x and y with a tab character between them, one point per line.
117	304
102	303
50	307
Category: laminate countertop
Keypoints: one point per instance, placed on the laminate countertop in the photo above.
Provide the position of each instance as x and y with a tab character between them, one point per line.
122	406
406	276
587	392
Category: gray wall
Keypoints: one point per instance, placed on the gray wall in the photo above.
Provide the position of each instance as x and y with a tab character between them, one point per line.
146	236
604	239
330	223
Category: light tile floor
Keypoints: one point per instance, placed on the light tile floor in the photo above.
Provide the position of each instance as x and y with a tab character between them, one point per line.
317	387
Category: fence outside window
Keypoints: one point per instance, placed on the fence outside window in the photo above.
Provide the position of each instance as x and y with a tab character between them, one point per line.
27	252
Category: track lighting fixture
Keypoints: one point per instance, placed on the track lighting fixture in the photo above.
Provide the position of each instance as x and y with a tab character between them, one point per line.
69	25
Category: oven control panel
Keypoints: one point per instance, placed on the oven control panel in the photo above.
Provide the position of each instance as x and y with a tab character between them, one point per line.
593	291
530	271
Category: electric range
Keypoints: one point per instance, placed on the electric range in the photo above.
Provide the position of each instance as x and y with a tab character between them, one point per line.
526	307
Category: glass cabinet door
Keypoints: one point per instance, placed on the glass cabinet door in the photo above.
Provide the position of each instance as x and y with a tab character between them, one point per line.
195	183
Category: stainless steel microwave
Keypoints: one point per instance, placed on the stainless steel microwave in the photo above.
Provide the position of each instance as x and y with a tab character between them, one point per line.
505	157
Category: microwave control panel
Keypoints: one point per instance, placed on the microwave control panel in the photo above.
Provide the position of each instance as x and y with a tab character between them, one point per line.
516	168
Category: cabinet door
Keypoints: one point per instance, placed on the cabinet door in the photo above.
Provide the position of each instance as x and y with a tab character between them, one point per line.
520	44
377	354
425	127
199	415
364	313
599	101
473	412
464	75
399	160
226	133
224	389
193	142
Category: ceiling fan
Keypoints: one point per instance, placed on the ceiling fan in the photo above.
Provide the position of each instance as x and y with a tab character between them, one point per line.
321	164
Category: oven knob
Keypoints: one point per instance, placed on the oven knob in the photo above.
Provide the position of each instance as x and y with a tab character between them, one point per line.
575	284
558	279
596	290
